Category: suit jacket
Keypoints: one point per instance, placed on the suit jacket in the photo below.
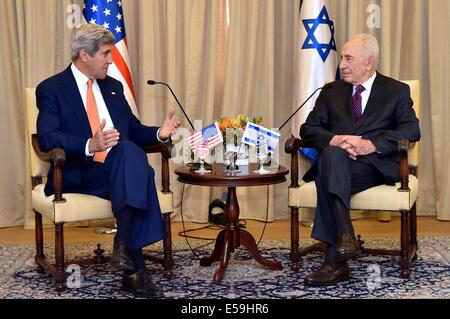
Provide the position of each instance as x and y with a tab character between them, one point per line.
63	122
387	118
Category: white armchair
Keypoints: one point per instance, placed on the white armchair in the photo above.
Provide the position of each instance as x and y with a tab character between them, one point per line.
399	198
62	208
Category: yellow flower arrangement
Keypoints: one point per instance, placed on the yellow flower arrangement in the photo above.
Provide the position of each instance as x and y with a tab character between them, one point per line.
238	122
237	125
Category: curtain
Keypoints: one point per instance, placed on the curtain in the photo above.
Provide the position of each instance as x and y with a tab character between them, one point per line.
30	51
206	50
12	204
223	58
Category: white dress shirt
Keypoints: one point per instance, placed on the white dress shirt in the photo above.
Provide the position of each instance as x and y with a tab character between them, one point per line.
103	112
366	93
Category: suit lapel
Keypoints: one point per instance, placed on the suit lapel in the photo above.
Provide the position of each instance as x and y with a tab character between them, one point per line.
347	103
374	99
74	101
110	96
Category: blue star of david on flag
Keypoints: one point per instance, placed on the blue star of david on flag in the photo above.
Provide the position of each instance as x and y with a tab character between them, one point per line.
311	41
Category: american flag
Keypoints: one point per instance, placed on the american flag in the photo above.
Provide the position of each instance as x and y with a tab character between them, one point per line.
109	14
208	137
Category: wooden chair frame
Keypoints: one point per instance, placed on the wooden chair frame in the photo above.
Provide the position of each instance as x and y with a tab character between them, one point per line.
57	157
408	227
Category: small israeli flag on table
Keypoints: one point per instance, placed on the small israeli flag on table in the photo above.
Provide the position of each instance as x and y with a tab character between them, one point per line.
256	135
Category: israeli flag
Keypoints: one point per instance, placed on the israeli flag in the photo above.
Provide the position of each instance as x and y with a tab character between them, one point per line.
258	135
316	59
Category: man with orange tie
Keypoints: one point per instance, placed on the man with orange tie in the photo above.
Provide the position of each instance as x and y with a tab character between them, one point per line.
84	111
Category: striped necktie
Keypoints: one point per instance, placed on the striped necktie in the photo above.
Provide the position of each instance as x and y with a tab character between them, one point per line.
357	104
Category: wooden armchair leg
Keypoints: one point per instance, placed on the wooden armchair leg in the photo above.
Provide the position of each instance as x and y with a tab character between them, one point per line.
405	261
60	274
413	230
39	239
413	225
294	254
168	262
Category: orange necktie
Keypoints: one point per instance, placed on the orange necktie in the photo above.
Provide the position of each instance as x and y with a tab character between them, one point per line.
94	119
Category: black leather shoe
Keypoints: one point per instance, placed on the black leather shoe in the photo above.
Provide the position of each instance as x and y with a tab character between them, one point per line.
347	248
327	275
119	258
141	285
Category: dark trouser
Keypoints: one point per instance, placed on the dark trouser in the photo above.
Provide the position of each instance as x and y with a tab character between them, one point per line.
127	180
338	177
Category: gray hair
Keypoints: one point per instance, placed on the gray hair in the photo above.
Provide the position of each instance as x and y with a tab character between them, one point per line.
370	46
90	37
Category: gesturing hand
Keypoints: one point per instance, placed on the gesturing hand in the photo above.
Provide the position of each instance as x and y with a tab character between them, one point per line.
103	140
168	127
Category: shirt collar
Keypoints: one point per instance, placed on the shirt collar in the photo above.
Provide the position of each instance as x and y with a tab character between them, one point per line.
80	77
368	84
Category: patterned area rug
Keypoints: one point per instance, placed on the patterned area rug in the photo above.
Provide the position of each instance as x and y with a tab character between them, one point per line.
371	277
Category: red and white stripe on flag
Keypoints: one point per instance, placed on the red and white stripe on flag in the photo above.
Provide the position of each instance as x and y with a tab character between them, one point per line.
194	140
120	71
213	141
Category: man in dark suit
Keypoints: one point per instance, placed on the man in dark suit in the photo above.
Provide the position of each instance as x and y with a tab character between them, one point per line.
356	125
84	111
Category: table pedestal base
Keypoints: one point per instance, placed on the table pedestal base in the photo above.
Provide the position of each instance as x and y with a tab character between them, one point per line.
232	237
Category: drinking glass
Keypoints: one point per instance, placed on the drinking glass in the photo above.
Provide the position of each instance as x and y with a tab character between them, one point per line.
202	153
262	154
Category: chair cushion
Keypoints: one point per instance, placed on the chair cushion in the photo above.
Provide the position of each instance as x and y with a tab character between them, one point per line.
80	207
382	197
165	201
76	208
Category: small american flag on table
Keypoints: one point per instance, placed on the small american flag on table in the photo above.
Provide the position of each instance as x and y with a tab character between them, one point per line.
208	137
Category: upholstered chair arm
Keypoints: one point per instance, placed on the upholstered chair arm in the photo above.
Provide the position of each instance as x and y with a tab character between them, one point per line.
166	153
403	147
291	147
293	144
58	157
